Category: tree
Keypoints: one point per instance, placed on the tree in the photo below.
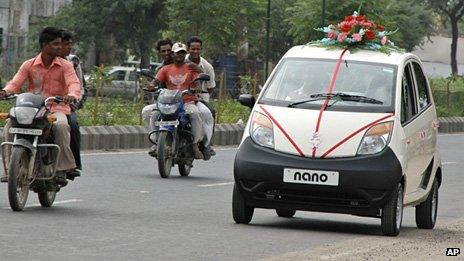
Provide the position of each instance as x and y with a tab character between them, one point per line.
132	24
404	15
454	10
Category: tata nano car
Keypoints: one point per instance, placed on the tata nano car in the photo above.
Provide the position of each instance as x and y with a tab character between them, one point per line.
367	147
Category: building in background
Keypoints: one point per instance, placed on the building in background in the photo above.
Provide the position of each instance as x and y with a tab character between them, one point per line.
16	16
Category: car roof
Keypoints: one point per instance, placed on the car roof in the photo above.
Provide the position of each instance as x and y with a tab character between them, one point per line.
118	68
305	51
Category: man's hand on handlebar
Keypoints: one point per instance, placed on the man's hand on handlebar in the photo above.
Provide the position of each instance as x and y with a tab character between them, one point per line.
68	99
3	93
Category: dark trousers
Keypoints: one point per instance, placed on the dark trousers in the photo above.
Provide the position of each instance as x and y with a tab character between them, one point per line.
75	138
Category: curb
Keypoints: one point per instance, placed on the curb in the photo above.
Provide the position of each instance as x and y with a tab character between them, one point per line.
135	137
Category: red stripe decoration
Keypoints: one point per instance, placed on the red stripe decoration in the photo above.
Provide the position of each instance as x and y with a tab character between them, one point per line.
354	134
283	131
326	101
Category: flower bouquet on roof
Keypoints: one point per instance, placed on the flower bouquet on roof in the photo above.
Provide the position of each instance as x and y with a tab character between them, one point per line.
357	32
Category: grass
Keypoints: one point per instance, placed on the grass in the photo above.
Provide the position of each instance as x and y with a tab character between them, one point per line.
117	111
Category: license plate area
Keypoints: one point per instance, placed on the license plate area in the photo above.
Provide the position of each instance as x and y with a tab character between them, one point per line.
167	123
36	132
314	177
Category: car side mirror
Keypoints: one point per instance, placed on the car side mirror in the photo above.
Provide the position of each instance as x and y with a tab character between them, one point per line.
247	100
202	77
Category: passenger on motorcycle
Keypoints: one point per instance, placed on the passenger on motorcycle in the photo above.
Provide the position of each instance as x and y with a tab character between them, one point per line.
194	46
50	75
180	76
149	112
66	46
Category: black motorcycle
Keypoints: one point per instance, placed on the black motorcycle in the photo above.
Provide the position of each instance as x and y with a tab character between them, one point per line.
33	158
173	136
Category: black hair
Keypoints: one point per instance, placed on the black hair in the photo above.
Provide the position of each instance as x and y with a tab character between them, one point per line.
49	34
163	42
194	39
66	35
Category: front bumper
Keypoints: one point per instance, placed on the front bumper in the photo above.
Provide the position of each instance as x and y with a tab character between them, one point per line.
365	182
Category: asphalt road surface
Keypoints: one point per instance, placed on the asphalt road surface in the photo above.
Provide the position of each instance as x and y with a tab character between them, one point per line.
120	209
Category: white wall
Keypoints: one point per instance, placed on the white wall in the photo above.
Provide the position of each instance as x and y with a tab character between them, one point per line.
439	50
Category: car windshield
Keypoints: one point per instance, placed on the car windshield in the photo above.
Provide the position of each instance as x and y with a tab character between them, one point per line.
360	86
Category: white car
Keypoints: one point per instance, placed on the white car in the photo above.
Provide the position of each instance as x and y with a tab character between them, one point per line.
123	83
367	147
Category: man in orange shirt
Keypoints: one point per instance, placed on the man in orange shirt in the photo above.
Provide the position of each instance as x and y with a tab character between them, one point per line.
50	75
179	75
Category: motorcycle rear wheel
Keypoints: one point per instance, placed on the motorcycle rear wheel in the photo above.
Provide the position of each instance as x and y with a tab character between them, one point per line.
164	156
18	183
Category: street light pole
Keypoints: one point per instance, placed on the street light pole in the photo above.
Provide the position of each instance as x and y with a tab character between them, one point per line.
323	13
268	25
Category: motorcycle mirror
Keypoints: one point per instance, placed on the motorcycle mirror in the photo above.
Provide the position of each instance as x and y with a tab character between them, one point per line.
202	77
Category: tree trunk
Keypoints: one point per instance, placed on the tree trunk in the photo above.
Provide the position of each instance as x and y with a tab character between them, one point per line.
144	56
454	46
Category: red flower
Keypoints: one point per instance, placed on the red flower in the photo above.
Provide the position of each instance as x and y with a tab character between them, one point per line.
367	24
349	18
380	28
345	27
360	18
370	35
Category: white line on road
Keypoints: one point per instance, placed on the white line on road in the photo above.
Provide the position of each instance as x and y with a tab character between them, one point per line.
216	184
448	162
54	203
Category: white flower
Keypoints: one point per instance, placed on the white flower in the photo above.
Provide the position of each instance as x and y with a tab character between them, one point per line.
362	31
355	14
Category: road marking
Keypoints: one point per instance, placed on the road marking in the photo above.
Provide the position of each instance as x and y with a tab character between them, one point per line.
94	153
144	192
54	203
216	184
448	162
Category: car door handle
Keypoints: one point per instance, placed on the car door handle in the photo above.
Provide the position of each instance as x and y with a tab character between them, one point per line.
408	142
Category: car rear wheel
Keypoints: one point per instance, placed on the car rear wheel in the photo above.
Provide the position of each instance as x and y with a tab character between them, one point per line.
241	212
426	212
285	213
392	213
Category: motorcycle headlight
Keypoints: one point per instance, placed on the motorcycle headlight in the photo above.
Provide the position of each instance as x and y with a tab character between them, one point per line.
24	115
376	138
261	130
167	109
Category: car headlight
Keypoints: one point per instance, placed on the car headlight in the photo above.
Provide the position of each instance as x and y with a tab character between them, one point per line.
376	138
24	115
168	109
261	130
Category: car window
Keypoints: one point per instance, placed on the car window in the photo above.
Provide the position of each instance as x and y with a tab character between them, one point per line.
422	90
132	76
408	103
297	80
118	75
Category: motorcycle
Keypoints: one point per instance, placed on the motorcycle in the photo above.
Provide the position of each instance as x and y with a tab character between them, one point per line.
174	137
33	158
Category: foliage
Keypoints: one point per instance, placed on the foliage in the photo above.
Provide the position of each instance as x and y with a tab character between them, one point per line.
247	84
230	111
354	32
131	24
306	15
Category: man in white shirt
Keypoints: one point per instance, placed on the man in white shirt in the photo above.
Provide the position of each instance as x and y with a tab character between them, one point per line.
194	46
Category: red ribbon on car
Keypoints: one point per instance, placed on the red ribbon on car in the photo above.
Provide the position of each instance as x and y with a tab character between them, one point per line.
326	101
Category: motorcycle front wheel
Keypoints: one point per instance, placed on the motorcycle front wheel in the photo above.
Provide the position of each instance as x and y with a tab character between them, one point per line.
18	183
164	156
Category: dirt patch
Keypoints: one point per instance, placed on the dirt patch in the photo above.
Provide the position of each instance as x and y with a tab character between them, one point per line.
411	244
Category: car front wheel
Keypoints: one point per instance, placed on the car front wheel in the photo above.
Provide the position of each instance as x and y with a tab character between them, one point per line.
241	212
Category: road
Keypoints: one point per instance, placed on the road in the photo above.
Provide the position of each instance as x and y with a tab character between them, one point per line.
120	209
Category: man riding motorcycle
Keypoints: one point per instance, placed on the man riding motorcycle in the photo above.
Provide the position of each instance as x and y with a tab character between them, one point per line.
180	76
50	75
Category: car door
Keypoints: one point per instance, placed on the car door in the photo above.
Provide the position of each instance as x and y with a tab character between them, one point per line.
411	128
118	82
426	117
